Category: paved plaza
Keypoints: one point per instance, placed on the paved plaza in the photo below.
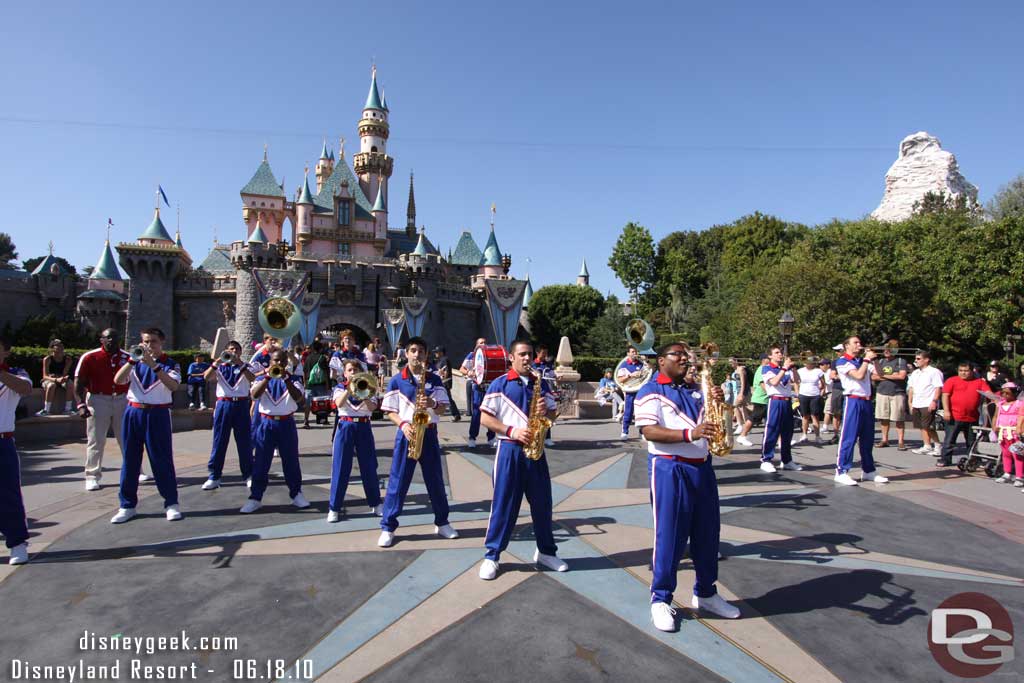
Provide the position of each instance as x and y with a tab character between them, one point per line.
834	583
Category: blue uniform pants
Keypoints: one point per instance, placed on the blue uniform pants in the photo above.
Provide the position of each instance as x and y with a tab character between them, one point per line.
13	524
149	427
779	422
627	413
282	435
402	469
354	439
515	475
474	418
231	417
858	424
685	503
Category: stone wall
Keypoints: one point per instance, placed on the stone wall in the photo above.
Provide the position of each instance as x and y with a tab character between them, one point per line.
198	315
25	295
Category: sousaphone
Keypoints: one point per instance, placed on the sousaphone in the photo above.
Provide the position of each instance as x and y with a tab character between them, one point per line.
640	334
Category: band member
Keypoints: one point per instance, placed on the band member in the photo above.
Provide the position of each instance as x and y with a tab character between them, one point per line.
348	351
400	404
147	422
505	409
101	403
778	381
231	415
261	357
354	437
684	493
14	384
546	367
475	396
858	419
277	399
633	367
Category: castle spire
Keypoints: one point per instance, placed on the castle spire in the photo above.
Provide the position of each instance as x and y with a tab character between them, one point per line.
410	212
373	98
305	196
421	246
379	204
323	153
106	267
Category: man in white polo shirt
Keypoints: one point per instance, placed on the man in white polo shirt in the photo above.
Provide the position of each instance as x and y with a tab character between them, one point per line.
924	391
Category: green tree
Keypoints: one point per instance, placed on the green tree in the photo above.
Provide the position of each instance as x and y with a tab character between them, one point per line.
564	310
30	264
607	336
632	259
8	252
1009	200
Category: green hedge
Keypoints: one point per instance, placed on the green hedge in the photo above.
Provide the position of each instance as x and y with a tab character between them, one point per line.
31	358
591	368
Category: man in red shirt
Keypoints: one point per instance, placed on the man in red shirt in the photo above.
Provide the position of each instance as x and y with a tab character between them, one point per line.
100	402
961	401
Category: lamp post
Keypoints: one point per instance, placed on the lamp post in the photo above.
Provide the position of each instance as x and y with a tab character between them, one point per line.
786	323
1007	347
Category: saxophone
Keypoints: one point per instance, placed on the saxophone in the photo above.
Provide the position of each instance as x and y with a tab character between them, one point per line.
420	418
717	412
539	423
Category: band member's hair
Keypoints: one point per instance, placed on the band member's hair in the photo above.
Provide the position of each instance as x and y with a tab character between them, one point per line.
668	347
345	333
631	347
846	342
773	347
112	333
5	343
925	353
352	361
154	332
419	341
279	352
517	342
234	342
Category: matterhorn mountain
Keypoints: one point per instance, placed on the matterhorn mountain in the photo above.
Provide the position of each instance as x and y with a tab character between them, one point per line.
922	167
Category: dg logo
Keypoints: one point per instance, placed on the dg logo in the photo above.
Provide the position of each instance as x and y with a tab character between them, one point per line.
970	635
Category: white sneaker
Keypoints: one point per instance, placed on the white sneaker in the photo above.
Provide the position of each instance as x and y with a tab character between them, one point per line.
736	432
446	531
492	443
623	436
552	562
92	485
488	570
845	479
19	554
43	413
377	510
768	467
300	501
173	513
923	450
937	451
803	437
123	515
470	443
211	484
1018	483
875	477
663	616
251	505
143	477
248	483
743	441
202	407
333	516
792	466
386	539
1005	479
549	442
716	605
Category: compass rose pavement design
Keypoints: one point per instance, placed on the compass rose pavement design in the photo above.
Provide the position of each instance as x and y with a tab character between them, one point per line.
834	583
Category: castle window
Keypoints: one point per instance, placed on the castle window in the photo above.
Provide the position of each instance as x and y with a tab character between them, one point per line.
374	148
344	213
344	249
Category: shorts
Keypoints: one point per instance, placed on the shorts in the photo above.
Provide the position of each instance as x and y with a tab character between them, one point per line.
812	406
891	408
758	412
53	382
835	404
923	417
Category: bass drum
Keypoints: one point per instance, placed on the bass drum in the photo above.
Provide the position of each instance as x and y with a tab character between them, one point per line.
490	363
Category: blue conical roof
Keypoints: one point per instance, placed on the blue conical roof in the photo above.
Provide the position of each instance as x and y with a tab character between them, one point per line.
527	293
46	265
258	236
466	253
156	230
492	254
421	247
378	204
324	153
583	269
331	155
263	182
177	240
305	197
106	267
373	99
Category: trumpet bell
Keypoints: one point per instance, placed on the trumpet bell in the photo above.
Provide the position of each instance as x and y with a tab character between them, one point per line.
227	357
363	386
276	372
640	334
137	353
280	317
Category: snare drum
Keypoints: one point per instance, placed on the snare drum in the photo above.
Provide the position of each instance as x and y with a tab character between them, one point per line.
490	363
322	404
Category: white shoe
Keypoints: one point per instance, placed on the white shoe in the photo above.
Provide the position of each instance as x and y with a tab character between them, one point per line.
203	407
211	484
623	436
937	451
803	437
333	516
173	513
552	562
492	443
875	477
123	515
300	501
488	570
736	432
1005	479
92	485
768	467
251	505
549	442
663	616
743	441
19	554
43	413
716	605
446	531
377	510
248	483
845	479
386	539
470	443
1018	483
923	450
143	477
792	466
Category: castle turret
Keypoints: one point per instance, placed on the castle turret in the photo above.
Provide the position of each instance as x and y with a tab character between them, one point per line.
410	211
324	167
372	164
102	304
491	262
263	201
255	252
380	213
583	279
304	215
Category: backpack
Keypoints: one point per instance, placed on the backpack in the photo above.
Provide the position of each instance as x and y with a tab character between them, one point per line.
316	374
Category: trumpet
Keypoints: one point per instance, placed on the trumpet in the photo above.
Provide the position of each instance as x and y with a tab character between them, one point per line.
276	372
137	353
363	386
227	357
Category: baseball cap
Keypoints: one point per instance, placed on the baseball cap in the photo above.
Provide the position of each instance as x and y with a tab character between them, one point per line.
837	347
994	363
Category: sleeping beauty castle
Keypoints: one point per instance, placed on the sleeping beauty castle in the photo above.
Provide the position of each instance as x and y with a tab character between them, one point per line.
331	241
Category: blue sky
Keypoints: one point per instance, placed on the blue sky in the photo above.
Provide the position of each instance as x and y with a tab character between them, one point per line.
573	118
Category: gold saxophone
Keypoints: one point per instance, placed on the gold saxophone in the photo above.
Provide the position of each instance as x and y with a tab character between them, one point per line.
538	423
420	418
717	412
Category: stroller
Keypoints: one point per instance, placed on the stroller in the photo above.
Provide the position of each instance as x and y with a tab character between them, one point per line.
983	453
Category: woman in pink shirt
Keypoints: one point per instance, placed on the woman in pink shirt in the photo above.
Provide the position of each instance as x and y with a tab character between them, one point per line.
1008	426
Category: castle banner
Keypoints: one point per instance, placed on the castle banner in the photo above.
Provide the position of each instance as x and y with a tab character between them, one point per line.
394	323
310	307
415	309
505	302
